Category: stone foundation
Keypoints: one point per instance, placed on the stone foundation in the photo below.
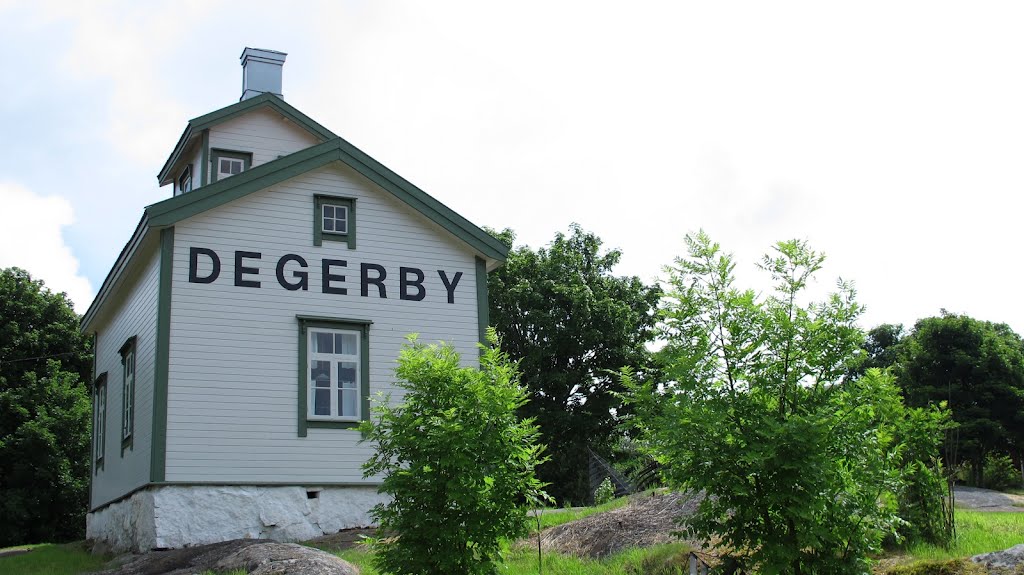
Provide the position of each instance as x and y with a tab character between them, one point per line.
174	516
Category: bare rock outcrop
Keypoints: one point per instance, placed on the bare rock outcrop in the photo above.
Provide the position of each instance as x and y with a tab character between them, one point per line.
648	519
256	557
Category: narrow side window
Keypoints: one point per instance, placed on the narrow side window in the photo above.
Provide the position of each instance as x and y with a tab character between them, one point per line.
99	420
128	394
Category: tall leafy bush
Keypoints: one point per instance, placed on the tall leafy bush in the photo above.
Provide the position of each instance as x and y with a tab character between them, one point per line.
456	460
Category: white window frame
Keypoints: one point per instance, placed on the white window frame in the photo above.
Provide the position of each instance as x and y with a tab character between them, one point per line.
335	219
333	359
220	161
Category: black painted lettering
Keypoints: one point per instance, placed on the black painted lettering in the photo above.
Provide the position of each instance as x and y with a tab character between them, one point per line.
328	277
240	269
193	265
404	283
303	276
450	285
365	280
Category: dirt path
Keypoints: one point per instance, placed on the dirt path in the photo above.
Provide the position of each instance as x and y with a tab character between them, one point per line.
988	500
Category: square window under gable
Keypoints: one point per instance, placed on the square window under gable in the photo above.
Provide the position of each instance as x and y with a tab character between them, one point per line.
334	220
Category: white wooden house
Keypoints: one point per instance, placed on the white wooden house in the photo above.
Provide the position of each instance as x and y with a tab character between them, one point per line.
247	322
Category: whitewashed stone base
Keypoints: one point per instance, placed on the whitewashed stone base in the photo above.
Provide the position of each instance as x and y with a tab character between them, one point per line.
174	516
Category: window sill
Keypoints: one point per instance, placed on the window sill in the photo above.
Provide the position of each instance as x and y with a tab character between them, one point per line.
332	424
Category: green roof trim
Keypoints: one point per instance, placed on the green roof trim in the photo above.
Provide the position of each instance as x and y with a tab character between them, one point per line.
172	210
206	121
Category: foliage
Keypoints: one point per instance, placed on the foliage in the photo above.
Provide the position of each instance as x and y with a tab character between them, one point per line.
925	517
978	368
801	464
1000	473
457	461
880	349
571	325
44	413
604	493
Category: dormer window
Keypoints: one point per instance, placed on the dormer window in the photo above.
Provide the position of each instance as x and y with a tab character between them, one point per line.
185	180
229	167
227	163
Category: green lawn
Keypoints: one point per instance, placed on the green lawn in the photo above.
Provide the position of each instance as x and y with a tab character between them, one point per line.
50	559
666	559
977	532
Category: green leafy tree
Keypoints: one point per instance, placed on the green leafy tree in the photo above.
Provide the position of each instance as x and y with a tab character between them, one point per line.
457	461
44	414
977	367
800	464
880	350
571	325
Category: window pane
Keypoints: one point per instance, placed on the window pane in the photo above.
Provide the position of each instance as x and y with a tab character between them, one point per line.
328	211
323	342
236	167
328	225
341	226
347	399
345	343
347	374
322	402
320	374
225	166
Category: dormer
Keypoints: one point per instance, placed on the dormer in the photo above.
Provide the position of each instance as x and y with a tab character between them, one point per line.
260	128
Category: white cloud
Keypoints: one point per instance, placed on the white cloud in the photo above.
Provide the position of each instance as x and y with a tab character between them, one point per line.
127	51
30	238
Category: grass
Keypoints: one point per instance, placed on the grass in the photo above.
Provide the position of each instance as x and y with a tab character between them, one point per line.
51	559
667	559
977	532
551	518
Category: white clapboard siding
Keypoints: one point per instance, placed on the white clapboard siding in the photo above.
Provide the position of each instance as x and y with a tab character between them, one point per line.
264	133
135	316
233	391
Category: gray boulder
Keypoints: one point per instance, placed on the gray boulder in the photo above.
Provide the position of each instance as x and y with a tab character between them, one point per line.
256	557
1006	559
284	559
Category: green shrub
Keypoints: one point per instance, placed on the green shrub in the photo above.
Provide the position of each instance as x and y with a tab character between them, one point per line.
604	492
457	461
1000	472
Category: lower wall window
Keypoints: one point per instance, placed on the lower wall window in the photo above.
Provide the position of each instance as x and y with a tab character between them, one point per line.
334	382
333	373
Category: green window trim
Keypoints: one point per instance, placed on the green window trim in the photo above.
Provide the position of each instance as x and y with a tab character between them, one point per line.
363	327
319	235
128	387
217	154
99	432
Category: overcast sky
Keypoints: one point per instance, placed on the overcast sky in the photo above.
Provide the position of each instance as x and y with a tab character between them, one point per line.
890	134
